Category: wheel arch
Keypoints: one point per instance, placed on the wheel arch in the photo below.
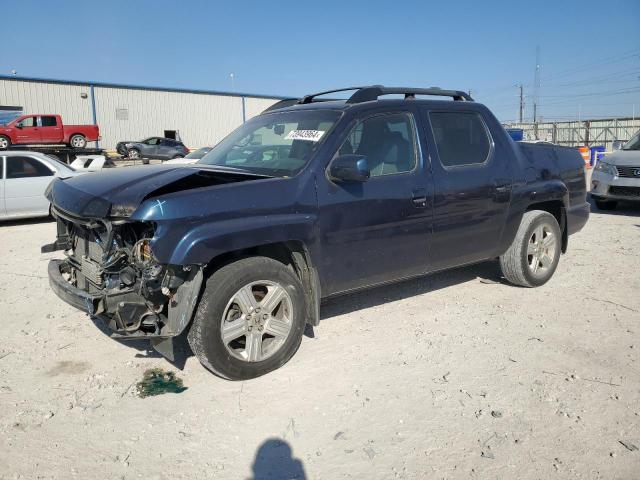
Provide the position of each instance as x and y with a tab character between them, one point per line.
71	135
558	210
293	253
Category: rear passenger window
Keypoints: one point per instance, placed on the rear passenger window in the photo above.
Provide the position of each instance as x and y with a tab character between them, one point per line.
48	121
461	138
388	142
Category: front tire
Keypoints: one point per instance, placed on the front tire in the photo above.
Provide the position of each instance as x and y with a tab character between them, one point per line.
5	142
133	154
606	204
78	141
250	319
534	254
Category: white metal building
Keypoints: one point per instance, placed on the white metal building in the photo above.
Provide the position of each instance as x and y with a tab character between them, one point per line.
127	112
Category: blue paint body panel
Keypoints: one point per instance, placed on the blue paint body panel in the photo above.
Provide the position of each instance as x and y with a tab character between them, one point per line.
357	234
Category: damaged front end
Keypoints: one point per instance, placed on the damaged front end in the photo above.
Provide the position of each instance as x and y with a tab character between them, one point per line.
111	273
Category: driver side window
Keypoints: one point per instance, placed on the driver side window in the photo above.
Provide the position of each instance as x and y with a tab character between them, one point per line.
388	142
27	122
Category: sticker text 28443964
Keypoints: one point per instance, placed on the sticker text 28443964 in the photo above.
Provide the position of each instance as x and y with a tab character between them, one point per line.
309	135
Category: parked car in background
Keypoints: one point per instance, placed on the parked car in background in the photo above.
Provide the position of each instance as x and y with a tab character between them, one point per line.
152	147
24	177
46	129
193	157
616	177
305	202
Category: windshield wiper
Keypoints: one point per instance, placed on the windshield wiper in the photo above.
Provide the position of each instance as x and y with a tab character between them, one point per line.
231	169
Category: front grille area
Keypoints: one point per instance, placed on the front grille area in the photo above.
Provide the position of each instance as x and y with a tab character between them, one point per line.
628	172
625	191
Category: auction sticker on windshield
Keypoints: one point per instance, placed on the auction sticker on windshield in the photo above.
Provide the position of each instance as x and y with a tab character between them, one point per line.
309	135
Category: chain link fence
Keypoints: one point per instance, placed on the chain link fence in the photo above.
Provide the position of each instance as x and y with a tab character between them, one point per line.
583	133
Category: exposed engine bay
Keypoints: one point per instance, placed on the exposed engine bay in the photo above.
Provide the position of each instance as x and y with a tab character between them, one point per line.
112	264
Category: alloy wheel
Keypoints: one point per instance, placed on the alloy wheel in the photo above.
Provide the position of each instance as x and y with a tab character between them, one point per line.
257	321
541	250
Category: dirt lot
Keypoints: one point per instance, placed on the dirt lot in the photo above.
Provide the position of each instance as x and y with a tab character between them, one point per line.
451	376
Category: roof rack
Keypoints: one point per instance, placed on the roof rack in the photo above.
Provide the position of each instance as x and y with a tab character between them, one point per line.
371	93
309	98
367	94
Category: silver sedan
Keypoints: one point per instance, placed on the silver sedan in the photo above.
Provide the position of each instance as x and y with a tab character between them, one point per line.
24	176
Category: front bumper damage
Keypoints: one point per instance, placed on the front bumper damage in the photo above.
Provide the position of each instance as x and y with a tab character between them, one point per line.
102	276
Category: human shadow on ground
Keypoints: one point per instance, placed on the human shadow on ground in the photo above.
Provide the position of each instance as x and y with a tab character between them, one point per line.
274	460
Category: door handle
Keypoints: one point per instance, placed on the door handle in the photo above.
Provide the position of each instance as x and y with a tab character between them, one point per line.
419	198
502	190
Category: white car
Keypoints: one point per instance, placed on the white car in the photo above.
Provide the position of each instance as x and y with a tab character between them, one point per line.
192	157
617	176
24	176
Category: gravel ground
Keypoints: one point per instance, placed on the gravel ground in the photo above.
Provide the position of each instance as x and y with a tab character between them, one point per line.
456	375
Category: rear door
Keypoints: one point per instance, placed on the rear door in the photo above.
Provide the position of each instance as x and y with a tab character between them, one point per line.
50	129
472	181
376	231
167	149
27	131
26	179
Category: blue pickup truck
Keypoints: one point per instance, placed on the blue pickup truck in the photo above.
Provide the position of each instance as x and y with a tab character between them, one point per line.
309	200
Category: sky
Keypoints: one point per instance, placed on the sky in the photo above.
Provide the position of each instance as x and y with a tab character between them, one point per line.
589	49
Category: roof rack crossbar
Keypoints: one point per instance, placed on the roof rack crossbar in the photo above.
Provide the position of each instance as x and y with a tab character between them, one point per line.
309	98
367	94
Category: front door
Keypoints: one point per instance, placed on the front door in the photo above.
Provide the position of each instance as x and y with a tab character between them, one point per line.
27	131
50	131
150	148
26	180
376	231
472	188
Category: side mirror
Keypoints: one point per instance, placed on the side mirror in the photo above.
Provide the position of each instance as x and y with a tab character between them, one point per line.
349	168
19	125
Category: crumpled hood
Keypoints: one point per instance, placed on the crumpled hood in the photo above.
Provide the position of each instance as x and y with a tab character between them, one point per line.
119	191
628	158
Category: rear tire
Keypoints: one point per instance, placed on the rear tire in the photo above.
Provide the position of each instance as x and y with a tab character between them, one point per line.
606	204
5	142
78	141
534	253
250	319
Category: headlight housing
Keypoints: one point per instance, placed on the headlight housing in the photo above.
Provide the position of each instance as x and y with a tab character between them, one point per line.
605	167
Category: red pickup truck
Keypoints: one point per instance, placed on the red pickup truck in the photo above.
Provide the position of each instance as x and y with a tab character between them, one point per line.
46	128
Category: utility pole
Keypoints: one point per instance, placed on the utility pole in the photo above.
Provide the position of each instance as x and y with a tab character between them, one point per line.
536	85
521	87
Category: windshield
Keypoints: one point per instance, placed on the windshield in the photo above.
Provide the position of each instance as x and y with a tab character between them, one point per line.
276	144
633	144
201	152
